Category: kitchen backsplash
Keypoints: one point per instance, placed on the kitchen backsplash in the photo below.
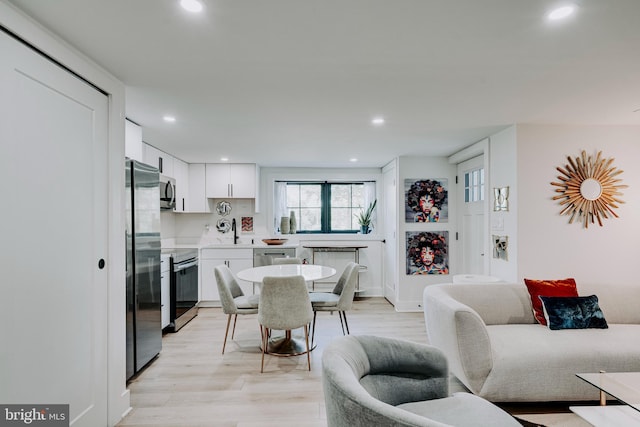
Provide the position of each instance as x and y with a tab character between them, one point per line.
208	227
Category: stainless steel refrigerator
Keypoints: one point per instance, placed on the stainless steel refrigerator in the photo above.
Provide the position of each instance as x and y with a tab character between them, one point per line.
144	329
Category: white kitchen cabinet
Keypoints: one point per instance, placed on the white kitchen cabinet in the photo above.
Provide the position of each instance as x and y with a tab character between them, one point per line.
165	289
197	197
158	158
237	180
133	141
181	174
236	259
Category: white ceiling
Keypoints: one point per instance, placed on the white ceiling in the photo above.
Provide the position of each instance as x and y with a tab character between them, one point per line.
296	82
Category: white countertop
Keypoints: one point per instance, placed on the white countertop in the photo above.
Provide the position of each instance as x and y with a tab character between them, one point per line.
337	240
169	245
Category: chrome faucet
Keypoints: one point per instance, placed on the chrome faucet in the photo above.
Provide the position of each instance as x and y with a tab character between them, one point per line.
235	231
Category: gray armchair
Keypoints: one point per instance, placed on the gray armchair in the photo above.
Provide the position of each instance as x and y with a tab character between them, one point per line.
375	381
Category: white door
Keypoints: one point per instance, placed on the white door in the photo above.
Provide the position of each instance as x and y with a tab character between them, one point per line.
472	233
390	246
53	297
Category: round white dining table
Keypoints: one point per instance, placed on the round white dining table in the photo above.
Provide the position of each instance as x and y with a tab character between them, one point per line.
310	272
286	345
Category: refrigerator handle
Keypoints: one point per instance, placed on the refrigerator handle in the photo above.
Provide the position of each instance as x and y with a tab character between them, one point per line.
126	255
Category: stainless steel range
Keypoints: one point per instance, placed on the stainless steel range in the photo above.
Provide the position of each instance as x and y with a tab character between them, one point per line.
184	288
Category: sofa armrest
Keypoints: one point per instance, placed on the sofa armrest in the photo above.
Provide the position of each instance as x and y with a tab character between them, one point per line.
461	334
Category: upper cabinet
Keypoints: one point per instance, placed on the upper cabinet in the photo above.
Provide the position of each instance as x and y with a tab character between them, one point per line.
237	180
159	159
133	141
197	198
181	174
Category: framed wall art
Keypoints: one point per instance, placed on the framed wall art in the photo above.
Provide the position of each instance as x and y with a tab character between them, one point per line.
501	247
501	199
426	200
247	224
427	252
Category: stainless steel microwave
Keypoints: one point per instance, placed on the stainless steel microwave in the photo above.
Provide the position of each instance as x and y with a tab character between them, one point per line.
167	193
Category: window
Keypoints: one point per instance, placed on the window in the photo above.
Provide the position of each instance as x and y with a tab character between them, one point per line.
323	207
474	186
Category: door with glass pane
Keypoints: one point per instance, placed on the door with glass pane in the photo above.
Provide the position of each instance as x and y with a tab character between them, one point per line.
472	233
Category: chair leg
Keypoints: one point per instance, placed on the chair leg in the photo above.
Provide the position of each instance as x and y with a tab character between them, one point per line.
341	322
226	332
313	328
235	319
344	314
306	339
264	347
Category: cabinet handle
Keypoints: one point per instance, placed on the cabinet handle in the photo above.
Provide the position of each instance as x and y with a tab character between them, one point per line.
183	204
160	164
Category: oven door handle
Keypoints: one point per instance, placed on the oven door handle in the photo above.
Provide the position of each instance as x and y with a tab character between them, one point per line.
181	267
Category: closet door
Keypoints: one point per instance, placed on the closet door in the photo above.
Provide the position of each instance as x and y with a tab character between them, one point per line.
53	297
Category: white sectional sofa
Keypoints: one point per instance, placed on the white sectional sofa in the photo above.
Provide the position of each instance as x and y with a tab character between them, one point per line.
498	351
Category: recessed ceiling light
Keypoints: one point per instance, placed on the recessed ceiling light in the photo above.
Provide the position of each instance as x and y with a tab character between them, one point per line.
194	6
353	160
169	119
224	159
561	12
377	121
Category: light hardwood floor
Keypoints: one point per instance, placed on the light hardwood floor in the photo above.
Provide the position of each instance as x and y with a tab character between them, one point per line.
192	384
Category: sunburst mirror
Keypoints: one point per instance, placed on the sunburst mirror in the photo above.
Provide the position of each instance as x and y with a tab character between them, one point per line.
589	189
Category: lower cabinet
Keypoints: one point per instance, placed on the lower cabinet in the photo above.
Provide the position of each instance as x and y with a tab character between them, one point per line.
235	259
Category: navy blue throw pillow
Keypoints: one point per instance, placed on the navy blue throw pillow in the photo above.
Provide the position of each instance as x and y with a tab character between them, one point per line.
573	312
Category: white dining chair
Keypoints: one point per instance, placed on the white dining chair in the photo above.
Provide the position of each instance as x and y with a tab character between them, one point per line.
284	306
340	299
233	300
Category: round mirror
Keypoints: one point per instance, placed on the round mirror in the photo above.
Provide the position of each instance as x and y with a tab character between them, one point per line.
591	189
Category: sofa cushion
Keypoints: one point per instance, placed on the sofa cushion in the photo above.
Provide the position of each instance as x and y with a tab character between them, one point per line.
460	410
573	312
548	288
534	363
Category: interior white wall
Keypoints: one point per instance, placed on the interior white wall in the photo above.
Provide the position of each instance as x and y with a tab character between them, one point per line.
503	172
409	295
549	247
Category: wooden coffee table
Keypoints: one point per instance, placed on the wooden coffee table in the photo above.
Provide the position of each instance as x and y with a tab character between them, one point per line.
624	387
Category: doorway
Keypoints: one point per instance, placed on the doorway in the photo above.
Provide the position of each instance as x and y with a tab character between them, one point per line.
471	216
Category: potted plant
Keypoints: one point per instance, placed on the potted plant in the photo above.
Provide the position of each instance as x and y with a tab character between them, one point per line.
364	217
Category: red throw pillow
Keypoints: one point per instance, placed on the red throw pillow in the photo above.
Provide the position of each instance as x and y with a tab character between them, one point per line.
548	288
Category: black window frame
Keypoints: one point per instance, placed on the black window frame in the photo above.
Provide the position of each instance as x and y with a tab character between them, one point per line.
325	206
